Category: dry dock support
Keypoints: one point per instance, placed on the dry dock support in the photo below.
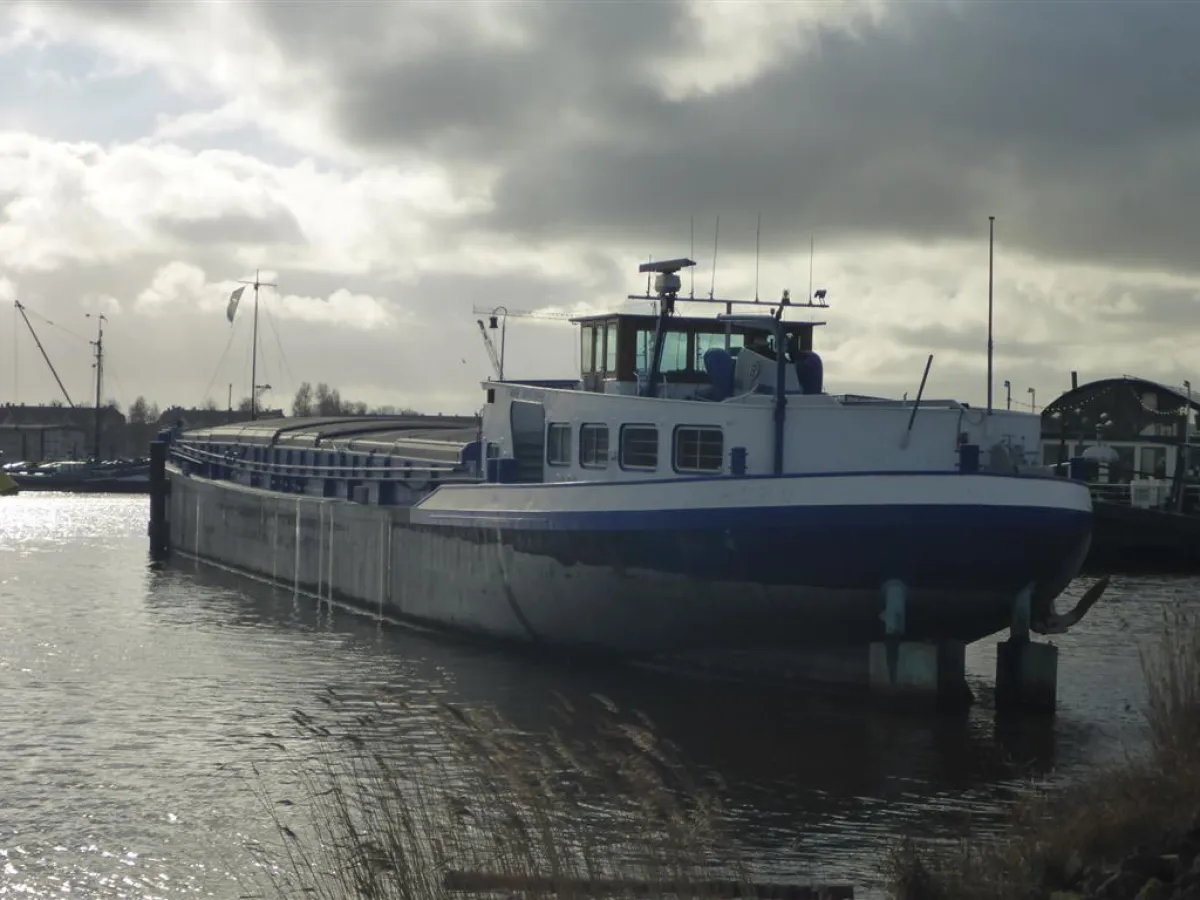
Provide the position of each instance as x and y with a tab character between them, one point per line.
160	531
1026	672
924	673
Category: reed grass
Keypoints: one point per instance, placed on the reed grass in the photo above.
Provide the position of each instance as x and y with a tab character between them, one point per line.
380	815
1068	838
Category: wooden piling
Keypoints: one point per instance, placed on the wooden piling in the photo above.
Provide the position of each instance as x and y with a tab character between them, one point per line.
160	534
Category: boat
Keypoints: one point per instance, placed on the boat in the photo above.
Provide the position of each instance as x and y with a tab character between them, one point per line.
695	496
8	487
118	476
92	475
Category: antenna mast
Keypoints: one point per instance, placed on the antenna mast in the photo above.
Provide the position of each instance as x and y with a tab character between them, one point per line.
991	246
98	343
254	342
757	247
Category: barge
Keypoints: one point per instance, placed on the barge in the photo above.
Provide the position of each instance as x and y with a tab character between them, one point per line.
696	498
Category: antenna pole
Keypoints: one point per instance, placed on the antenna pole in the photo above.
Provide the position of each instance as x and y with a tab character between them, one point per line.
810	267
691	255
991	271
757	249
716	236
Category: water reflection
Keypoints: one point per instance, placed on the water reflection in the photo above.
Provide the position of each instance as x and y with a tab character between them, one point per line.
810	783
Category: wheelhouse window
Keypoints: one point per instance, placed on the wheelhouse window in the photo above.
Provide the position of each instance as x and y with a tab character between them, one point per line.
675	351
593	446
639	447
610	348
699	449
705	342
587	348
558	444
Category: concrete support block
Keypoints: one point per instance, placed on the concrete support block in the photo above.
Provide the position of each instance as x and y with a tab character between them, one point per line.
1026	675
922	673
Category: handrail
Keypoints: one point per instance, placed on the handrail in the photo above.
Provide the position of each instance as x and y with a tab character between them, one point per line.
390	473
225	458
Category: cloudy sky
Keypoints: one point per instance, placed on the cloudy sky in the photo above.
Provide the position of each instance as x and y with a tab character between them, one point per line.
393	165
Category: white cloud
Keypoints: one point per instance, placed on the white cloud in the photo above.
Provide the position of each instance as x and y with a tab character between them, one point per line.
440	157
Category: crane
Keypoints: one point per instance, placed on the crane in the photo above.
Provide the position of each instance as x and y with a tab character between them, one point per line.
21	309
521	313
491	349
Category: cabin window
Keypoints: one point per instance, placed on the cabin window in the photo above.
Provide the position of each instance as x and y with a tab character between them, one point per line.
705	342
699	449
675	351
587	348
639	447
558	444
593	446
610	348
1153	462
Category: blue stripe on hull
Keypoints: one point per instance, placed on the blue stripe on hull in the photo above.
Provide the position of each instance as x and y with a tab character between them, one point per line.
963	565
942	547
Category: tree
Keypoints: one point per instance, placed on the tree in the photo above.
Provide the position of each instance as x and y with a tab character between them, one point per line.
329	401
244	405
209	404
302	404
139	412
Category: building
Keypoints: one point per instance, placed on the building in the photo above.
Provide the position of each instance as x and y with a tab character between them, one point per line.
48	433
1139	428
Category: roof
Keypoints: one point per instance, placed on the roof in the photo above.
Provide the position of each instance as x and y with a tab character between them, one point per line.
79	416
1070	400
700	323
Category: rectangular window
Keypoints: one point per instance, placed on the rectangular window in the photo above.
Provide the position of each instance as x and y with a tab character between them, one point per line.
675	352
587	349
610	348
699	449
593	446
558	444
705	342
639	447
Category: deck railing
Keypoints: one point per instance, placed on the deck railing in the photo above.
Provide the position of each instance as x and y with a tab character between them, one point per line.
396	469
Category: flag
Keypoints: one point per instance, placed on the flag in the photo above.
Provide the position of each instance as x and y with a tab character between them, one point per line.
233	302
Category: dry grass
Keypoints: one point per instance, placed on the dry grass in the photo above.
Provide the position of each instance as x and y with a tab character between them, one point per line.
383	816
1059	838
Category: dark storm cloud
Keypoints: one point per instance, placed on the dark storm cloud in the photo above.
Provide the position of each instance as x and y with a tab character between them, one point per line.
1075	124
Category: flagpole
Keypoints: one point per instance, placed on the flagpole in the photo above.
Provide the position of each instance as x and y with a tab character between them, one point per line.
256	283
254	356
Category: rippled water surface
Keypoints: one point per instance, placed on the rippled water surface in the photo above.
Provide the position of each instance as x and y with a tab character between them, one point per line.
130	698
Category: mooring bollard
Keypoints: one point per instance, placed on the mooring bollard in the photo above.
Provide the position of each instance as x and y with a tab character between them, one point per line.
160	533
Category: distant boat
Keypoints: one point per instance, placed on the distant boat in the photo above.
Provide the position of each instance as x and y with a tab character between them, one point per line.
122	476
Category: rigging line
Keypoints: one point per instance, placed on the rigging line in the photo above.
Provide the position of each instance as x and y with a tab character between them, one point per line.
16	348
279	343
221	361
38	315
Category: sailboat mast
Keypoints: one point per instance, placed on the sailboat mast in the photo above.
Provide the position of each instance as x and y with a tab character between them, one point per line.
21	309
99	345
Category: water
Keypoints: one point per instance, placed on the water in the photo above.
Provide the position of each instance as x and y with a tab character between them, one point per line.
131	696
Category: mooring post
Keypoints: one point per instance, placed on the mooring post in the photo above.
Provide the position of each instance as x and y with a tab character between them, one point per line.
160	533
